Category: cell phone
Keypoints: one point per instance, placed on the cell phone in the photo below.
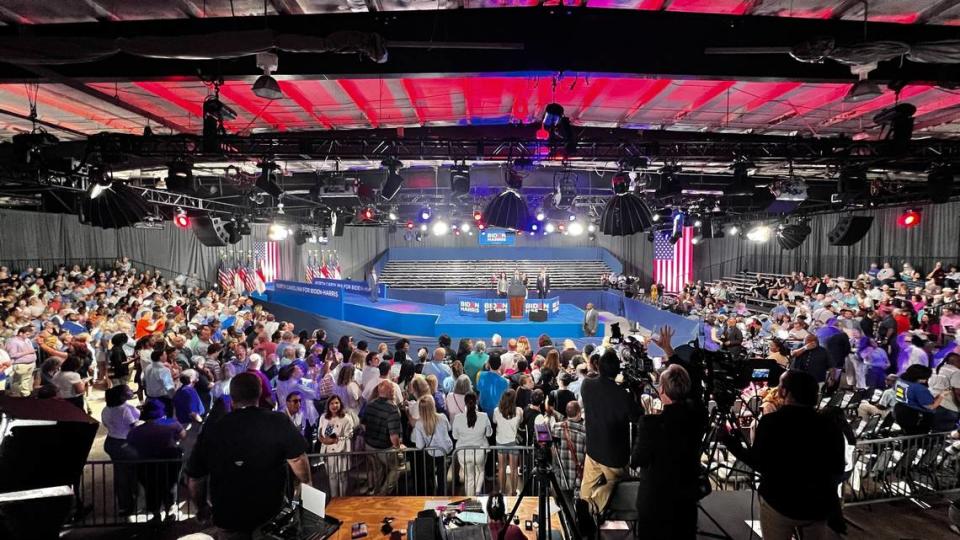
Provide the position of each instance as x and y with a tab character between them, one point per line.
528	525
359	530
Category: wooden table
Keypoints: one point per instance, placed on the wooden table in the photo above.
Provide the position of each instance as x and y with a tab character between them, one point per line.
372	510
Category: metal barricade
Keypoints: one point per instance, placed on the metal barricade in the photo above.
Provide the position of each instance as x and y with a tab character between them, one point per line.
901	467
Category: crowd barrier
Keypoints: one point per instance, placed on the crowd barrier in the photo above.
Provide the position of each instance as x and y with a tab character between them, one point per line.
879	470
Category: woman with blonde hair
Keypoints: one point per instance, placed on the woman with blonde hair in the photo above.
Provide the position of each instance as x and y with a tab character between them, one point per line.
523	348
417	388
432	432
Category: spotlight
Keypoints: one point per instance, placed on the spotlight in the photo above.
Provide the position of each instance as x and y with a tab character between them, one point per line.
367	214
541	215
909	219
549	228
267	181
542	134
266	86
409	224
180	177
759	234
456	231
477	215
863	90
576	228
99	186
790	236
425	213
564	191
698	223
465	227
393	182
160	184
392	216
552	115
481	226
280	208
591	228
696	240
655	217
277	232
181	219
572	217
534	227
460	180
423	227
470	233
733	230
440	228
561	227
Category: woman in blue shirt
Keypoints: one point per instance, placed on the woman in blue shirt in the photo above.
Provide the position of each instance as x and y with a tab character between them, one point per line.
915	404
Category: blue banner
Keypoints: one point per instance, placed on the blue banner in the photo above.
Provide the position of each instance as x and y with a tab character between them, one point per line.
475	306
352	287
321	299
497	237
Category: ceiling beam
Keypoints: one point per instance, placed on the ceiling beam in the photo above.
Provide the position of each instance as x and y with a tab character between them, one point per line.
55	77
287	7
647	96
685	35
410	92
936	10
45	123
776	92
704	98
101	13
361	103
293	92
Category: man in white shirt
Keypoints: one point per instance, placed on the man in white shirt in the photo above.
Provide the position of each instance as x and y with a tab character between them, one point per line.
947	382
370	388
158	381
509	359
371	370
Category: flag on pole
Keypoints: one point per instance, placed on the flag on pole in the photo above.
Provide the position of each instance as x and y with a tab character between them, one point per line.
267	256
260	283
337	274
673	263
239	280
249	278
224	276
324	271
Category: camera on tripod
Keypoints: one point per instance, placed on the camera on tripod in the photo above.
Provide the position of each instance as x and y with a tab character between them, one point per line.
636	366
725	376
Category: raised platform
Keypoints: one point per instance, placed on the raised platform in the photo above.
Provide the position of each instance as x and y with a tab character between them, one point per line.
568	323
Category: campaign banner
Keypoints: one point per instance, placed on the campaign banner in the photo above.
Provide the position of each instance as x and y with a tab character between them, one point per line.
497	237
321	299
548	304
352	287
469	307
312	290
495	305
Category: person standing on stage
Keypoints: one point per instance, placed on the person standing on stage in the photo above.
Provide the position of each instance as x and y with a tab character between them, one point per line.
590	321
501	281
543	283
374	285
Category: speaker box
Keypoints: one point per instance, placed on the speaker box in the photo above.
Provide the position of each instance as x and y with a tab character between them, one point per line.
850	230
215	232
538	316
496	316
940	185
338	224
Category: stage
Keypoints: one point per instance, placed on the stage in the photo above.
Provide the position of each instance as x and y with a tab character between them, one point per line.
408	318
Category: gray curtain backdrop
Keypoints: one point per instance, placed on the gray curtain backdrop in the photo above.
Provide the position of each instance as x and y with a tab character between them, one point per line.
937	238
636	252
32	238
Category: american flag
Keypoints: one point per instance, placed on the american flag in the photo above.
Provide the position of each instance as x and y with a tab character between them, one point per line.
673	263
225	276
267	256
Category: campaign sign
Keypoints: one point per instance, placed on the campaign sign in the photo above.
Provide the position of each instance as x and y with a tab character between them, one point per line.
320	299
469	307
497	237
494	305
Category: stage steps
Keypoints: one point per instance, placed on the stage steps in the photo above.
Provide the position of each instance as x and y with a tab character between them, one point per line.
478	274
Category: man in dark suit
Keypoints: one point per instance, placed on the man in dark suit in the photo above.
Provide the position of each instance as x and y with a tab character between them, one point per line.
543	283
590	321
811	358
667	451
374	285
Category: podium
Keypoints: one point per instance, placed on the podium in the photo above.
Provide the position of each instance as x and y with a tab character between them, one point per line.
517	293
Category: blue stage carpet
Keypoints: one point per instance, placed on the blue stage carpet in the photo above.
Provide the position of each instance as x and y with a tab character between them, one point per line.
568	323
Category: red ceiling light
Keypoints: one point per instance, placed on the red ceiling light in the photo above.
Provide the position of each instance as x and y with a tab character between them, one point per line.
477	215
908	219
409	224
181	220
481	226
367	214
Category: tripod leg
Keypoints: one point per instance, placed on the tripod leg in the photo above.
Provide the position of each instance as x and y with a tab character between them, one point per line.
567	517
516	505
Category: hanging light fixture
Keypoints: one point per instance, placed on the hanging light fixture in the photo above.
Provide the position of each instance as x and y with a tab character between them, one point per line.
266	86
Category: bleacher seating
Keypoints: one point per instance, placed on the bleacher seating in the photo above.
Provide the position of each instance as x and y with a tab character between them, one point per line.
742	282
478	274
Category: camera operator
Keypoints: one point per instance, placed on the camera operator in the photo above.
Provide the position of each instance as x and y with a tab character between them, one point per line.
609	409
800	457
667	451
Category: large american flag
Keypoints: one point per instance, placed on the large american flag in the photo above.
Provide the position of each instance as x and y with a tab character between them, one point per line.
267	257
673	263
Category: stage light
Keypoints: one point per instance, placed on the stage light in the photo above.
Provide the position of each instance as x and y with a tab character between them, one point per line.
481	226
425	213
180	177
863	90
181	219
696	240
267	181
440	228
266	86
572	217
460	180
477	215
392	216
456	231
733	230
655	217
280	208
470	233
909	219
759	234
542	134
98	188
423	226
393	182
508	209
576	228
591	228
409	224
367	214
698	223
541	215
419	237
549	228
161	184
465	227
552	115
277	232
534	227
